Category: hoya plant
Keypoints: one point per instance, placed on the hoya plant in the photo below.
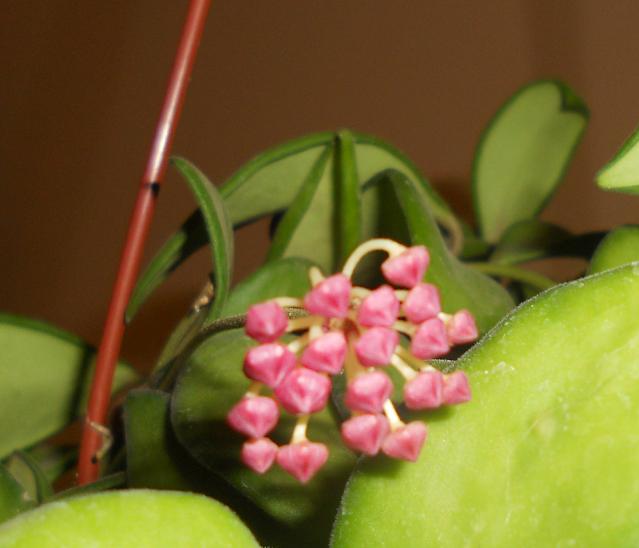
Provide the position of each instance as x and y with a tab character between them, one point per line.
374	381
392	375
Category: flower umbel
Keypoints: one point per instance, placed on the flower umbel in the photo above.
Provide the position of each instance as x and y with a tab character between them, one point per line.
360	332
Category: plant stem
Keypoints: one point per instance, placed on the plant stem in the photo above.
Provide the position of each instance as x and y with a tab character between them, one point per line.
514	273
88	467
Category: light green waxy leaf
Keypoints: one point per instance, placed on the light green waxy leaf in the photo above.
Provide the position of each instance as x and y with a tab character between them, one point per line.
307	223
141	518
405	217
211	383
546	450
619	247
523	154
622	172
44	380
212	213
270	183
13	497
27	471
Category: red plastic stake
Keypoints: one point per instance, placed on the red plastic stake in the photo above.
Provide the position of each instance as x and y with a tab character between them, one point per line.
88	466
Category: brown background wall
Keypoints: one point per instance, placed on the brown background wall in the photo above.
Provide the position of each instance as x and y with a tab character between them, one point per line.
83	80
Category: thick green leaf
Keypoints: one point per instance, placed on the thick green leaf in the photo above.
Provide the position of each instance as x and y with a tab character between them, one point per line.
523	154
13	497
282	278
533	239
307	222
547	450
209	386
622	172
212	213
141	518
27	471
348	208
619	247
156	460
270	183
528	240
44	380
405	217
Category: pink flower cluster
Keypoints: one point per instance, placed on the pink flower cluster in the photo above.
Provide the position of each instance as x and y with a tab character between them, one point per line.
357	331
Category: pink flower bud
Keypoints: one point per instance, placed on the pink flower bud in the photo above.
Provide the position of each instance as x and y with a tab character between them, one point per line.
408	268
406	442
430	340
302	460
330	297
376	346
380	308
259	454
303	391
269	363
462	328
266	322
254	416
326	353
365	433
368	392
422	303
425	391
456	388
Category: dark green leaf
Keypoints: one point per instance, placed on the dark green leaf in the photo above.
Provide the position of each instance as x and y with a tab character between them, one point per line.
156	460
44	380
406	218
528	240
208	387
129	518
27	471
622	172
523	154
619	247
213	214
348	218
13	497
533	239
546	450
270	182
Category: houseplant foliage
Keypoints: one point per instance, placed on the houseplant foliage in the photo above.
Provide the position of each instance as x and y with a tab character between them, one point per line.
549	379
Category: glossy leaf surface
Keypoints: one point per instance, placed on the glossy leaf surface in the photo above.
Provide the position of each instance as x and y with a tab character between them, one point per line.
619	247
546	450
39	363
140	518
622	172
523	154
209	386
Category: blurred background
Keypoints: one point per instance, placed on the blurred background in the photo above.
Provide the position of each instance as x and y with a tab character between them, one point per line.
83	83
